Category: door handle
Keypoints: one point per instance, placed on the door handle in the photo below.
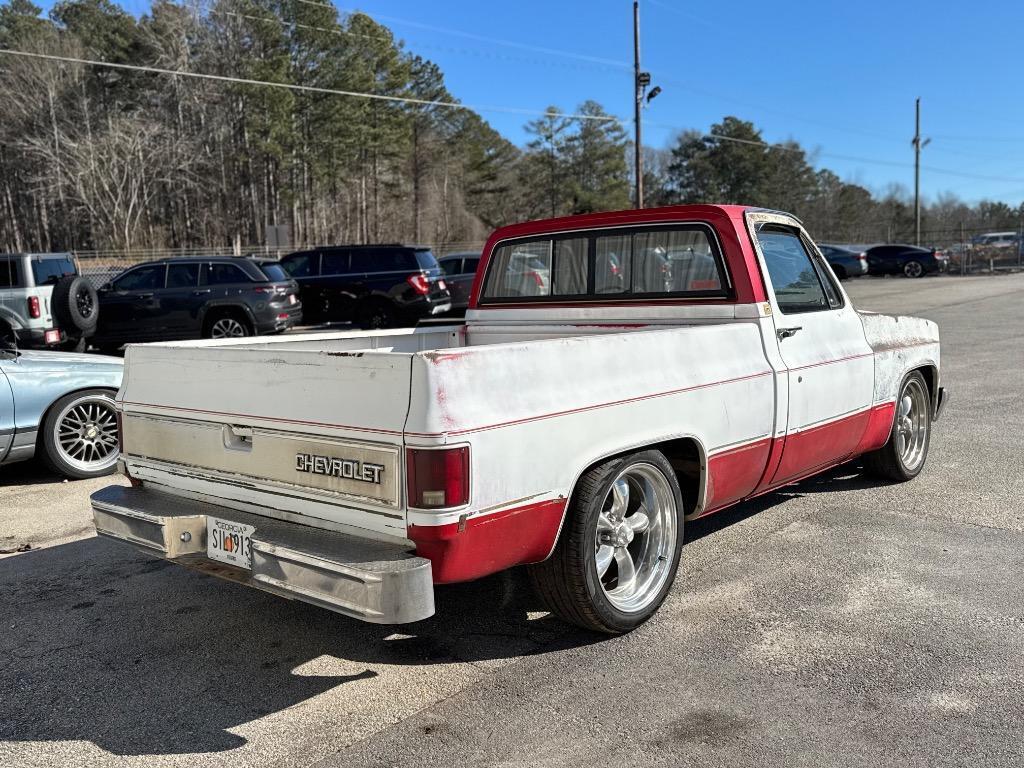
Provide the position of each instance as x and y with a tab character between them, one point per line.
145	296
785	333
200	293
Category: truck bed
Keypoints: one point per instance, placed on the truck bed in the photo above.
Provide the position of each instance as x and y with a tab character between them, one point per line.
368	395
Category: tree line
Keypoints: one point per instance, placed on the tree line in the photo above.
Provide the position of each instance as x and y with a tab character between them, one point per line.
95	158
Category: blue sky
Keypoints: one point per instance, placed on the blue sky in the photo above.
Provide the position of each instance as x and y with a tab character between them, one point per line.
840	78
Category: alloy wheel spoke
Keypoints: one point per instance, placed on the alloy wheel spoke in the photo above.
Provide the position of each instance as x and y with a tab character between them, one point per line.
639	521
620	498
604	523
605	555
627	569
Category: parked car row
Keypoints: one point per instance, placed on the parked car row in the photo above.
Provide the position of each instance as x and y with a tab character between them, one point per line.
45	302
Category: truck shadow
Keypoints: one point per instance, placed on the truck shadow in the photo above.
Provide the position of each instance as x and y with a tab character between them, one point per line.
142	657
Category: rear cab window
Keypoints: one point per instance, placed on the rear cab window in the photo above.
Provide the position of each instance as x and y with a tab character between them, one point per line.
50	271
646	262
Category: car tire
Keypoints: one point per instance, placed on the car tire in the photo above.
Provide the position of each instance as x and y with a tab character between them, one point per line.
76	306
913	268
604	535
230	324
903	456
375	315
79	435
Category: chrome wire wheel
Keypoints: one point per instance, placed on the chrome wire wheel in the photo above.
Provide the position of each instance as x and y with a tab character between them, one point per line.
85	433
912	424
227	328
636	537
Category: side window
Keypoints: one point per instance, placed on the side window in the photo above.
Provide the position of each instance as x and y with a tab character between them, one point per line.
794	277
469	266
520	270
148	278
302	264
570	267
225	274
451	267
9	273
182	275
385	260
335	263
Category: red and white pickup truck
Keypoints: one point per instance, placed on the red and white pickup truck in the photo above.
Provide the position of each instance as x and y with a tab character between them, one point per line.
617	375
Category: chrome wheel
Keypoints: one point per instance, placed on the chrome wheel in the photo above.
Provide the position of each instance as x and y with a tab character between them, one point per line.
227	328
913	269
85	433
636	537
912	424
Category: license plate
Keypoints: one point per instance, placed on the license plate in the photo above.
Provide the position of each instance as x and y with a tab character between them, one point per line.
229	542
442	284
292	299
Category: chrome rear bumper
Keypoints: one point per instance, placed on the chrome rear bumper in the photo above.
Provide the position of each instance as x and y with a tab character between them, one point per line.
366	579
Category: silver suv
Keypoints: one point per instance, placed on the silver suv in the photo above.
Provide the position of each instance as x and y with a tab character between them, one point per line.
44	301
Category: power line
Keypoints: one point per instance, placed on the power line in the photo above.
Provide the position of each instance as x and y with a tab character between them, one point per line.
480	108
483	38
309	88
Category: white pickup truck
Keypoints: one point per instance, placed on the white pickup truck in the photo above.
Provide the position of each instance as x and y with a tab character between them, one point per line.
617	375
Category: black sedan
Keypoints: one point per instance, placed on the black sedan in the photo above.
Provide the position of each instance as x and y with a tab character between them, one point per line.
459	273
845	262
189	298
909	260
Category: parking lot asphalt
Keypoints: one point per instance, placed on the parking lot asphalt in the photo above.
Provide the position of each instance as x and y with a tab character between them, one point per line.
837	622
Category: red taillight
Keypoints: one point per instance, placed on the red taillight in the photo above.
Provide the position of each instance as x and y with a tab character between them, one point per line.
437	478
33	307
419	283
863	257
265	290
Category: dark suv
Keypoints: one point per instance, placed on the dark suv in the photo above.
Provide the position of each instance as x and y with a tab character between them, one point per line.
376	286
189	298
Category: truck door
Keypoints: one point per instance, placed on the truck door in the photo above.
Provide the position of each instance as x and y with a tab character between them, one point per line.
830	367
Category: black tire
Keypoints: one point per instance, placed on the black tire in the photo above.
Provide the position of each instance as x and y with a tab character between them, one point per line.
889	462
913	268
75	306
56	458
376	314
568	582
227	324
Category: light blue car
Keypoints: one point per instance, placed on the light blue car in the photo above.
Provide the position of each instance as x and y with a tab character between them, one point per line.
60	405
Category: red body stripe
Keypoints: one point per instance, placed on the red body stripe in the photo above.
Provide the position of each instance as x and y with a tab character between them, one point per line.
734	474
820	446
490	543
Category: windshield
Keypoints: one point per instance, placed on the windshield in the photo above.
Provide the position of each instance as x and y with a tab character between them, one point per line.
275	272
49	271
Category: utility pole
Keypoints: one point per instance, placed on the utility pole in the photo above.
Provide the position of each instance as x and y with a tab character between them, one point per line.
638	163
918	145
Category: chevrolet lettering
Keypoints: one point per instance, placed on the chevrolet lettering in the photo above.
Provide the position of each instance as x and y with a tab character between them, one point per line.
349	469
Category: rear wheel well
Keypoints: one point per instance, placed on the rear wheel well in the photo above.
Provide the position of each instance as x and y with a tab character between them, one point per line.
687	458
